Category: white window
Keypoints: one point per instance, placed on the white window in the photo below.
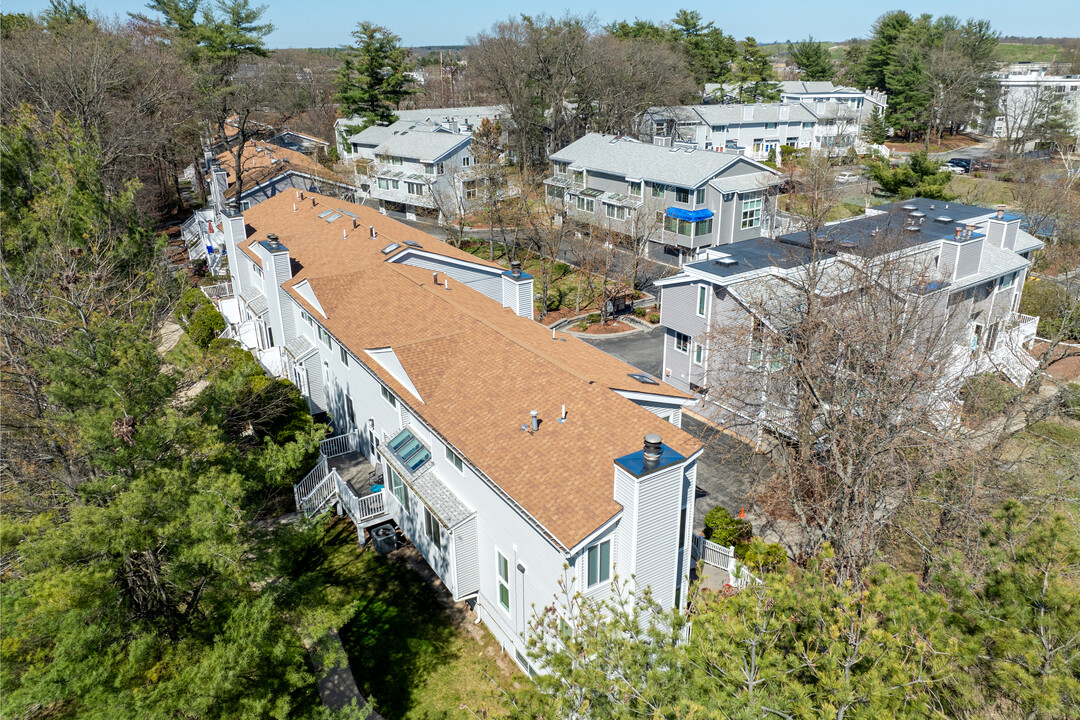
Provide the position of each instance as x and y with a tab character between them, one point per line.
384	184
757	144
455	460
388	397
719	128
502	568
598	564
751	210
307	318
414	188
560	167
325	337
350	413
245	205
699	354
658	190
700	198
682	195
258	270
585	204
635	189
616	212
398	488
682	342
432	528
1007	281
344	355
702	227
469	186
770	126
396	161
394	185
702	294
466	161
579	177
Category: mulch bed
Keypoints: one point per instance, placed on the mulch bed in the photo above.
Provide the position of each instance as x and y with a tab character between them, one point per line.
612	326
1066	362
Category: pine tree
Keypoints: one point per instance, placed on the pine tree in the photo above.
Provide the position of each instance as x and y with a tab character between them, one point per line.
755	78
876	130
813	59
372	80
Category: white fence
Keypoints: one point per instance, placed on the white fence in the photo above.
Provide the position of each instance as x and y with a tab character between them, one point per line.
724	558
340	444
220	290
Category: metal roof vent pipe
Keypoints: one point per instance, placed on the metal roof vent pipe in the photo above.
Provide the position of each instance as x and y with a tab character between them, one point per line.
652	451
435	278
1000	212
535	417
371	229
515	269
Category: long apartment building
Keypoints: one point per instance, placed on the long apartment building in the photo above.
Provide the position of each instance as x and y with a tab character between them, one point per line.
513	456
682	198
970	261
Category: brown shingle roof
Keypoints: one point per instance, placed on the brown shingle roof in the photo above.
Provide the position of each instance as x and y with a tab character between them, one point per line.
262	161
479	367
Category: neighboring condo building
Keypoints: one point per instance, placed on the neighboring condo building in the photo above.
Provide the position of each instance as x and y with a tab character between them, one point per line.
681	198
1027	95
512	455
970	262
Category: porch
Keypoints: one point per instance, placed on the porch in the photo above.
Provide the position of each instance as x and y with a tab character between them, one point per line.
343	477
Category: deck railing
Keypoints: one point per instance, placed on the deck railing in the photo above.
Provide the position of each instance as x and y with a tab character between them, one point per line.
221	290
722	557
340	444
312	480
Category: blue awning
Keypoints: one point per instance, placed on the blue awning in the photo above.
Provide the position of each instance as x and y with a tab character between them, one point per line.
691	215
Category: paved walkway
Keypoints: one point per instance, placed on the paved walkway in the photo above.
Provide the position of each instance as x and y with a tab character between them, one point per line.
337	686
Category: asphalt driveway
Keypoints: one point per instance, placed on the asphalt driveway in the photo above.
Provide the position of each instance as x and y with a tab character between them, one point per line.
728	468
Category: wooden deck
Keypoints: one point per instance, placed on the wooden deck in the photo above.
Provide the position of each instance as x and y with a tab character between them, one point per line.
355	469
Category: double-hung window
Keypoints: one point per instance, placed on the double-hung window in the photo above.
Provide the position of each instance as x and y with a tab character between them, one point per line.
700	196
394	160
397	486
703	227
344	355
751	210
699	354
585	204
466	161
388	397
432	528
634	189
1007	281
682	342
702	296
682	195
384	184
414	188
325	337
454	459
658	190
598	564
349	412
502	568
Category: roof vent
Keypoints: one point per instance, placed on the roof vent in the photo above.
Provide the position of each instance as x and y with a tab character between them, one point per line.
534	419
515	269
371	230
652	450
909	208
912	228
848	245
726	262
916	215
390	248
673	150
943	219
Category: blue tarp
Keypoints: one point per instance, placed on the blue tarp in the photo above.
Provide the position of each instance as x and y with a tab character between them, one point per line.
691	215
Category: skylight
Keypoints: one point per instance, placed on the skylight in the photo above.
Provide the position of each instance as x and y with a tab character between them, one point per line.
643	378
333	217
324	213
413	243
390	248
727	261
410	451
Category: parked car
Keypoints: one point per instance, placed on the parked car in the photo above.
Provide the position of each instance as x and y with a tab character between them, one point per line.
954	169
964	164
846	177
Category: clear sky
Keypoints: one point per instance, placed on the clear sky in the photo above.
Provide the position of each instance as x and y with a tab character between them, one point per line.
327	23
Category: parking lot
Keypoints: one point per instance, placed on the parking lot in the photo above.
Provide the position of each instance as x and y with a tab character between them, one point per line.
729	468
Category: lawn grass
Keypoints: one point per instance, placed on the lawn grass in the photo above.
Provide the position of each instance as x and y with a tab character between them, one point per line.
981	191
796	204
404	650
1023	52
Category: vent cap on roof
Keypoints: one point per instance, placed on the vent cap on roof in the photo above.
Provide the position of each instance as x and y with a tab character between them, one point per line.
909	208
726	262
943	219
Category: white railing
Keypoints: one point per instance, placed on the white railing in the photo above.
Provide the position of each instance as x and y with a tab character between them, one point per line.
1025	329
312	480
231	333
340	444
220	290
712	553
722	557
